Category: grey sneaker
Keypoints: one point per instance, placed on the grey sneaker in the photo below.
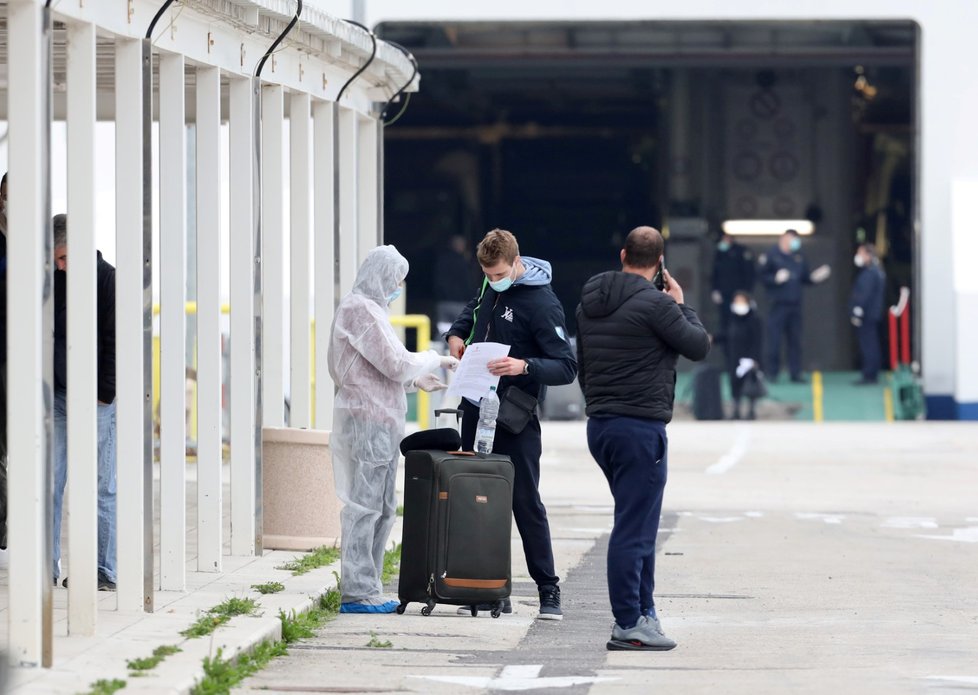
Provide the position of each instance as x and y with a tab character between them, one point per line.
550	603
645	636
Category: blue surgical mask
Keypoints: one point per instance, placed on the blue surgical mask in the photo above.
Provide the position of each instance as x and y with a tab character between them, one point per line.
795	245
502	285
393	296
723	246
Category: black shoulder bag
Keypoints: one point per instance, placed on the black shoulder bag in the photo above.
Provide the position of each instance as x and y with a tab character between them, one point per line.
515	410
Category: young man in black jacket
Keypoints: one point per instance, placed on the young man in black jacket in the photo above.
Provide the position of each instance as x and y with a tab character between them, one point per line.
105	351
517	306
629	337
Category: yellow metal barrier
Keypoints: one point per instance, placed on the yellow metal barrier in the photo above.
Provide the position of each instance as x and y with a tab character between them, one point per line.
420	322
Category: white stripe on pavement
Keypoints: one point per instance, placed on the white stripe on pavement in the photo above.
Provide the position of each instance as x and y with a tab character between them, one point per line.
732	457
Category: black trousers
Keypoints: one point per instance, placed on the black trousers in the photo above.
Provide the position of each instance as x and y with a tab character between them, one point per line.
784	323
870	349
528	510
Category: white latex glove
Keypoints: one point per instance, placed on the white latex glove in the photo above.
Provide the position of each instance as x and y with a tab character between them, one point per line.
857	311
429	382
821	273
448	362
745	365
716	297
782	276
856	321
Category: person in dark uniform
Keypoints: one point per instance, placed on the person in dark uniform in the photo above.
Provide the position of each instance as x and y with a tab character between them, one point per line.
866	311
733	271
517	306
784	271
744	348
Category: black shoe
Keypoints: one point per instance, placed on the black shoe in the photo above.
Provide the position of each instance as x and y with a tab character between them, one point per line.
799	379
507	608
550	603
103	583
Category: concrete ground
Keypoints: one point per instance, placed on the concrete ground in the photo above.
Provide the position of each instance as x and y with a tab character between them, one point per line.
792	558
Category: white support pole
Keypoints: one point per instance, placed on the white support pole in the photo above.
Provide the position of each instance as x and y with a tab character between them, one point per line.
324	163
242	264
28	419
209	360
347	180
368	235
173	289
130	401
273	256
300	140
82	320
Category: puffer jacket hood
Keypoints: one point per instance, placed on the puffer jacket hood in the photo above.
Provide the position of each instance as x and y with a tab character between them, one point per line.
604	293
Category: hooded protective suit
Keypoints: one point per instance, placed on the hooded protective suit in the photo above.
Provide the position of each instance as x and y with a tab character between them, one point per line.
372	371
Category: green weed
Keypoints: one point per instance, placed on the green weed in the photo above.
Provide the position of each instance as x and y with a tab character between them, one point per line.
320	557
375	643
150	662
106	687
220	614
268	587
220	675
392	563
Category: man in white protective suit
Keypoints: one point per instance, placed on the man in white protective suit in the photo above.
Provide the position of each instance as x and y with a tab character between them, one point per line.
372	371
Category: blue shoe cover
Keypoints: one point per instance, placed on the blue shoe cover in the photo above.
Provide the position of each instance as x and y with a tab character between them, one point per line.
388	607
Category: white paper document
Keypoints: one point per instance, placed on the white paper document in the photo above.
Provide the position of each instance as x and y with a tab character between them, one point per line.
472	378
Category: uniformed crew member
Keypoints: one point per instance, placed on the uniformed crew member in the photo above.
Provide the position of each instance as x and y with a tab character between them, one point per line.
784	271
866	311
733	271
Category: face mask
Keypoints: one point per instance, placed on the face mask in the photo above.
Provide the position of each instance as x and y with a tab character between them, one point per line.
393	296
740	308
502	285
795	245
723	246
858	260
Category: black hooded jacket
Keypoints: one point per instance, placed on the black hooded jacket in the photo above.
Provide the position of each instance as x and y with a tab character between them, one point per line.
104	336
629	337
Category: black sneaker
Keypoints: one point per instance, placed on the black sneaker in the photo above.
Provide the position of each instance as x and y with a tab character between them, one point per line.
103	583
485	607
550	603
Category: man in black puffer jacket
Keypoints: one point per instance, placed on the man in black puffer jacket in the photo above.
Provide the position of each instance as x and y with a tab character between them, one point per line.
629	337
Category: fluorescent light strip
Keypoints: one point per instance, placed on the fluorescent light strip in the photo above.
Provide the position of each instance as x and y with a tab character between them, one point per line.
767	227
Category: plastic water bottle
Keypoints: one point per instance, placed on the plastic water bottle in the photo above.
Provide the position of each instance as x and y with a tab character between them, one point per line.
485	431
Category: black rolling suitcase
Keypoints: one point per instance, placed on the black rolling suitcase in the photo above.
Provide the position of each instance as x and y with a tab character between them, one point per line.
455	546
707	393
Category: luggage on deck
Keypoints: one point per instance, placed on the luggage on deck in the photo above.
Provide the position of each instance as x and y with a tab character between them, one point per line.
455	545
707	398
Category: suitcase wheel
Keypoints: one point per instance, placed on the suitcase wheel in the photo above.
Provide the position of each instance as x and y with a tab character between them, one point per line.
428	608
474	611
401	608
496	612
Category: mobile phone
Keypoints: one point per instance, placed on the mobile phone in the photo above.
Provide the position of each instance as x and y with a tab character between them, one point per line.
659	281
